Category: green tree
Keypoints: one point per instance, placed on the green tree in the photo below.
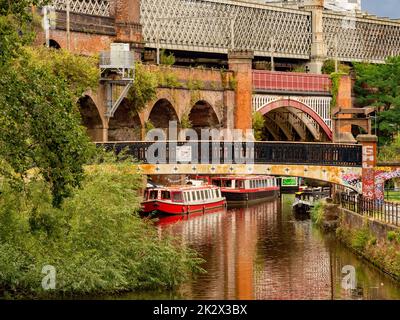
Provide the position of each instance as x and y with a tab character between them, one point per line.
258	125
39	117
379	85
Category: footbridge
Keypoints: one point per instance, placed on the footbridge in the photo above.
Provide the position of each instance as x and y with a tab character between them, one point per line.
328	162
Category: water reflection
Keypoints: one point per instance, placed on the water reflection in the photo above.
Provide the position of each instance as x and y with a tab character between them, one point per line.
264	252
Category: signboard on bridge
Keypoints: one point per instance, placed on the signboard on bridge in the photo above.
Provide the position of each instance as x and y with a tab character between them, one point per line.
184	154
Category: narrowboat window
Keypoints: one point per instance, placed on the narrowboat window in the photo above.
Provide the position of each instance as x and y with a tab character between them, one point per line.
198	195
227	183
153	194
188	197
146	194
165	195
239	184
203	197
216	182
218	192
194	195
177	196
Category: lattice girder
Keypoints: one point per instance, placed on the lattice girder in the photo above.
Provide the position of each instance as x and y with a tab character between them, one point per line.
90	7
209	27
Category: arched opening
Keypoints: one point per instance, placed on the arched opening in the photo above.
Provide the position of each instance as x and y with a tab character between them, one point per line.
54	44
203	116
162	113
91	118
291	120
125	125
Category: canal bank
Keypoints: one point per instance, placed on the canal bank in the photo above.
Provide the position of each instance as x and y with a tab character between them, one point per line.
265	252
375	241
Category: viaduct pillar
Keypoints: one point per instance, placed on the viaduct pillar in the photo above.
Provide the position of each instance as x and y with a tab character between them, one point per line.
341	124
369	156
318	47
241	63
127	23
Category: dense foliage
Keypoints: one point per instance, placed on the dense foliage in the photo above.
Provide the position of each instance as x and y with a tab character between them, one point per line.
95	241
379	86
258	126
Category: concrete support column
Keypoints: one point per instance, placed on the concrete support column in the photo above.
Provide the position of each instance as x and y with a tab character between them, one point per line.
369	161
318	47
241	63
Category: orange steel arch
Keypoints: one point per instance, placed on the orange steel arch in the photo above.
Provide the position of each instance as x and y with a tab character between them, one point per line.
300	106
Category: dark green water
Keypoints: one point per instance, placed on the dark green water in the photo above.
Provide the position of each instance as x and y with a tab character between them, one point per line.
265	252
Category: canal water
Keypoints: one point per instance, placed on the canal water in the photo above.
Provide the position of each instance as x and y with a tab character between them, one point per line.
265	252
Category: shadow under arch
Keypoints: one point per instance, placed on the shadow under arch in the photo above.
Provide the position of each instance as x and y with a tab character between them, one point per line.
125	125
282	103
203	116
91	118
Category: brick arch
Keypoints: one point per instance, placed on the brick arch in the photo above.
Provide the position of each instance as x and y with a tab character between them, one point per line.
203	115
299	106
91	117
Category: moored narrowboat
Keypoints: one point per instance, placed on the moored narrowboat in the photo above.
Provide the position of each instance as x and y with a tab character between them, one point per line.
182	199
244	190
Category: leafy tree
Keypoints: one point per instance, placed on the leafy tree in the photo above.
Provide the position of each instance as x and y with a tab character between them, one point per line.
39	118
379	86
258	125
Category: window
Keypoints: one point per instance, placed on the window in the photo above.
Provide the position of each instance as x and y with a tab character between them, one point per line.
239	184
194	196
153	194
165	195
202	195
216	183
177	197
188	197
198	195
227	183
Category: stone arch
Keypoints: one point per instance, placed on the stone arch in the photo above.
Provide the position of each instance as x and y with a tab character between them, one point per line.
203	116
162	113
282	103
91	118
125	125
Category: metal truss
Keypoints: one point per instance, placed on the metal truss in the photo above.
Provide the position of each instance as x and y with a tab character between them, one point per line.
91	7
361	39
206	26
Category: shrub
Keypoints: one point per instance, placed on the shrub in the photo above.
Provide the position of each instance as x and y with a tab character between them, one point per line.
96	241
360	238
317	212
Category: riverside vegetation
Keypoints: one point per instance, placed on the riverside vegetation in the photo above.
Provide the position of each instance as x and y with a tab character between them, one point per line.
54	210
383	253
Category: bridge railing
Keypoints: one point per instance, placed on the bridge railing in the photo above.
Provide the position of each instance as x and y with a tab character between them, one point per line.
225	152
387	212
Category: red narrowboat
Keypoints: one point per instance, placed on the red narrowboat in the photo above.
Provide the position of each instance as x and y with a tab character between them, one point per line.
183	199
239	190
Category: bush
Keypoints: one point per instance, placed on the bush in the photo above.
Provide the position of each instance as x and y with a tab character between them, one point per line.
96	241
317	213
361	238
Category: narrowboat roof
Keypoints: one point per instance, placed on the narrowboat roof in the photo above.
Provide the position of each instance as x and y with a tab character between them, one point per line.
241	177
185	188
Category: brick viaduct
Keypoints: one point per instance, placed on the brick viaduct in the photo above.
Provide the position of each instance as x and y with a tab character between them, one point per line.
224	100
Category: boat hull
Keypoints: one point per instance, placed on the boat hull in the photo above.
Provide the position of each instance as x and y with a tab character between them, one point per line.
237	197
171	208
